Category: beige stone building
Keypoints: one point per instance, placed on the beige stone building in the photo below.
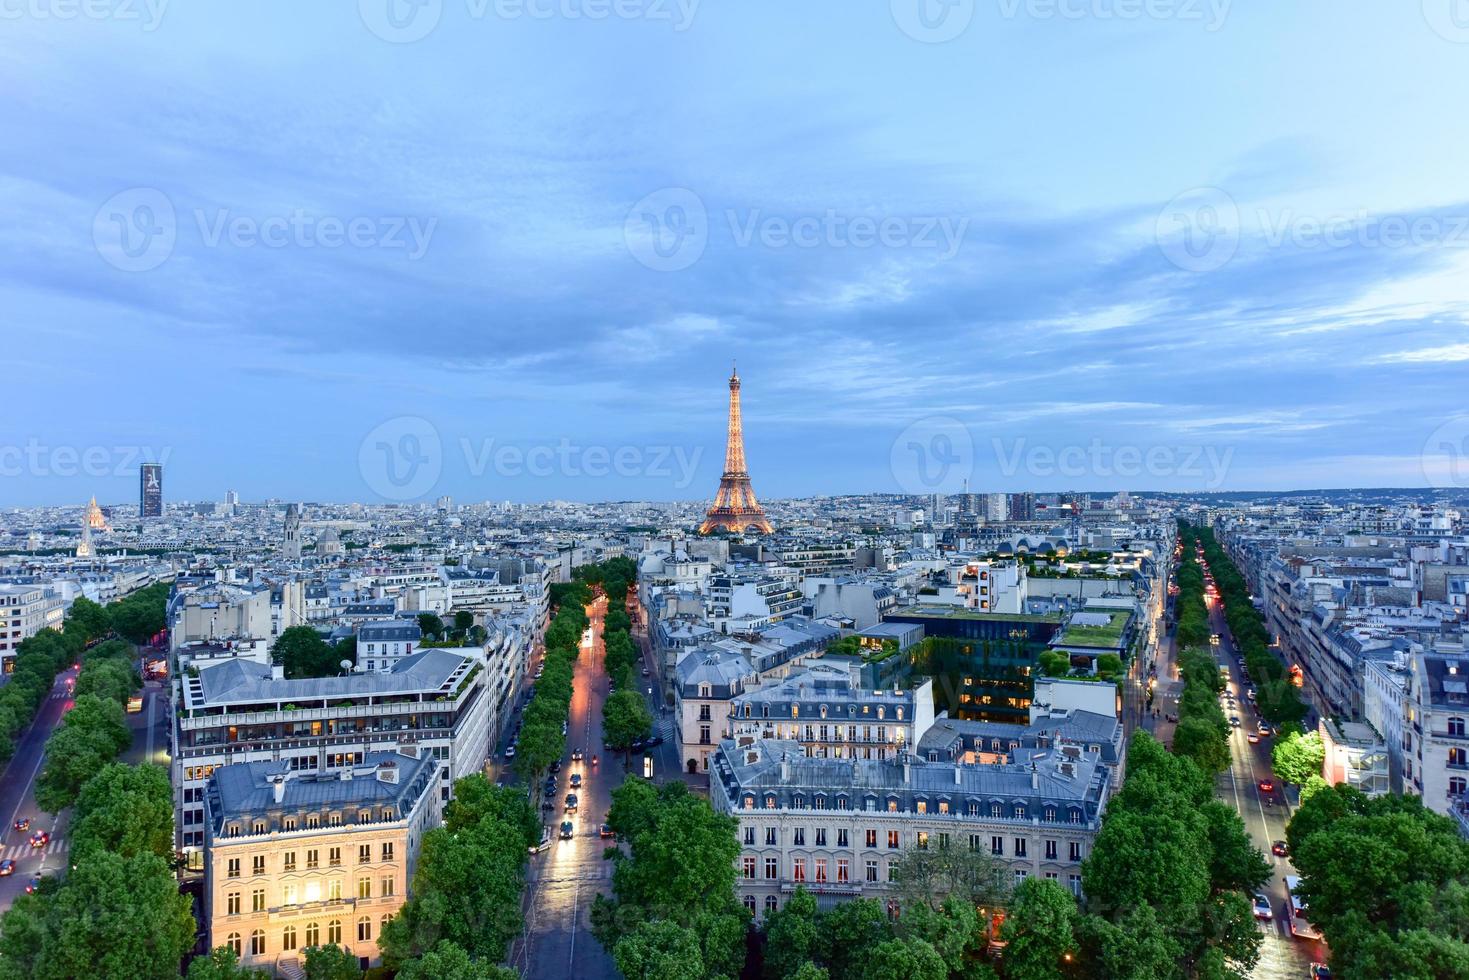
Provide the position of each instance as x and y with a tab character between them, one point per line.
296	860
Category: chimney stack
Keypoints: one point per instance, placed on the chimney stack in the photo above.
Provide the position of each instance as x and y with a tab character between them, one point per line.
1035	777
278	785
785	769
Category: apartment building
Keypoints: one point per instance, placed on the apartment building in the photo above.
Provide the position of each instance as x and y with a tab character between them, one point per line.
243	711
23	613
837	826
295	860
384	643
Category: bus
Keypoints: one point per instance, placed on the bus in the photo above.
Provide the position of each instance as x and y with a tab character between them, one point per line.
1299	927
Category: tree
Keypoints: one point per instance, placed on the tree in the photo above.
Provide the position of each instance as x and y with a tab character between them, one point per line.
126	810
625	719
303	653
447	961
1039	931
791	935
431	625
331	962
476	800
463	620
222	964
93	733
905	959
1137	947
1296	757
88	618
659	950
930	876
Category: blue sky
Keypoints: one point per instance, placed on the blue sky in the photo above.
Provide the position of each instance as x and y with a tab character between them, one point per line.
1048	243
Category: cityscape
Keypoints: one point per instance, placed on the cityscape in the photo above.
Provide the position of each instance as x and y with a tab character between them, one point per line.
384	587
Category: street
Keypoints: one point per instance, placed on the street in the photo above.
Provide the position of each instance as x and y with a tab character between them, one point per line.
17	799
1282	956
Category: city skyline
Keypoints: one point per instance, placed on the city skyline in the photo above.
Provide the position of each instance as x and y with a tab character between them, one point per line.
1248	266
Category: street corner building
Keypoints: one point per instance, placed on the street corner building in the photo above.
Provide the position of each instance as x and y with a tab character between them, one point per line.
295	860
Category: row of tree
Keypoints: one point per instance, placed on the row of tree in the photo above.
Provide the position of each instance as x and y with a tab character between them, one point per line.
1203	732
541	742
95	730
1386	881
625	715
117	912
1276	696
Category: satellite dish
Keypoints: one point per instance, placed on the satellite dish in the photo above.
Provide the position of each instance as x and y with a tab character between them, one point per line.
346	665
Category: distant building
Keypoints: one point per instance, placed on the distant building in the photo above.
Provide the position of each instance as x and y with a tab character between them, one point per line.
292	531
298	860
22	614
380	645
150	490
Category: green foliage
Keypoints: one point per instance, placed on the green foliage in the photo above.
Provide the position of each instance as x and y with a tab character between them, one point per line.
126	810
659	950
1296	757
1203	732
1380	876
431	625
88	617
476	800
448	961
1039	931
142	615
625	719
222	964
91	735
331	962
1055	663
303	653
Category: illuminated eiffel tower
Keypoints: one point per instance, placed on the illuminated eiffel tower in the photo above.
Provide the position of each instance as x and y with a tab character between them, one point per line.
735	507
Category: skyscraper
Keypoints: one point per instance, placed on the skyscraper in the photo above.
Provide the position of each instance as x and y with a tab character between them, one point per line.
735	508
150	490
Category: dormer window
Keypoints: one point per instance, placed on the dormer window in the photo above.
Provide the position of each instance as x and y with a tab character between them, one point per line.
823	711
900	713
705	690
795	711
260	827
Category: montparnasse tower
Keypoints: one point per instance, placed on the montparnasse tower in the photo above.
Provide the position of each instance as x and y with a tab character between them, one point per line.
735	507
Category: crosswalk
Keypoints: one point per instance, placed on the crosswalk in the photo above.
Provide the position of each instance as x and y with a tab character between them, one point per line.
15	852
664	728
555	876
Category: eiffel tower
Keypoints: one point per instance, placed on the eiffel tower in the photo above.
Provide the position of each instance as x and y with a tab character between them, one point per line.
735	507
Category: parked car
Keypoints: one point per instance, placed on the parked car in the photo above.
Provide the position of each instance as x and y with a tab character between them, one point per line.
1279	848
605	831
7	867
567	830
1262	908
637	745
544	843
23	824
653	741
570	802
645	670
510	752
555	766
1264	731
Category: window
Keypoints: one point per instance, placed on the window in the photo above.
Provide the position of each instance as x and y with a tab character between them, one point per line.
1074	882
313	934
289	861
844	874
997	810
798	837
288	823
748	867
1049	814
770	903
841	837
334	932
749	836
769	836
892	840
1020	847
364	816
772	868
1051	848
233	942
257	943
364	887
311	859
259	827
257	900
334	890
288	938
1458	757
1456	726
821	870
387	851
233	866
288	894
1019	812
872	838
257	864
997	846
232	903
1074	851
334	857
386	886
364	929
798	872
750	899
364	853
872	871
1019	876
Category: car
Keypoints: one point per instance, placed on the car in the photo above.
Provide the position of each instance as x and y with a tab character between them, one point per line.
570	802
544	843
1250	694
7	867
576	780
1262	908
576	755
605	831
23	824
1320	971
509	751
567	830
645	670
637	745
564	729
1253	738
555	766
32	885
1267	786
40	838
1279	848
1264	731
1234	721
653	741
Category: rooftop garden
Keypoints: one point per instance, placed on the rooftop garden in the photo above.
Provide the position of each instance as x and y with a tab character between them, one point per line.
1110	635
